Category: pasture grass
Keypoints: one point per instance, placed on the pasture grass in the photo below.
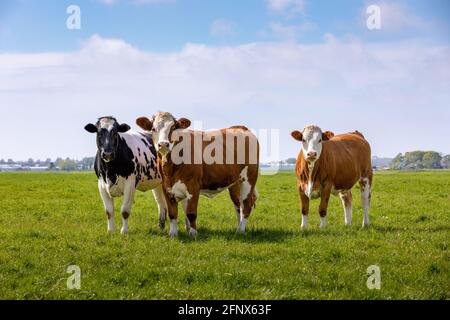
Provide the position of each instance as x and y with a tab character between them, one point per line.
49	221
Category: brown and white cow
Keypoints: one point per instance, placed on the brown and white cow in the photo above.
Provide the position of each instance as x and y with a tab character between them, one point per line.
195	163
330	164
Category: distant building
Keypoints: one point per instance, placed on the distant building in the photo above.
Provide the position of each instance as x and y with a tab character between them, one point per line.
9	167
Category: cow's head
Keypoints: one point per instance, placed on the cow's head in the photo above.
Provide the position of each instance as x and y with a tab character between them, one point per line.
311	138
161	127
107	130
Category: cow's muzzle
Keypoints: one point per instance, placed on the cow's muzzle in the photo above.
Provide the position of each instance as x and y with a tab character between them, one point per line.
311	155
107	156
164	147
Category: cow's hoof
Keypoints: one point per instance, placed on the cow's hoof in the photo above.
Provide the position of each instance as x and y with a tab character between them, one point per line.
187	225
123	232
242	226
162	223
365	225
193	233
173	234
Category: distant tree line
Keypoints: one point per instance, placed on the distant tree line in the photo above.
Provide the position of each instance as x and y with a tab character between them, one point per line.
416	160
73	165
59	164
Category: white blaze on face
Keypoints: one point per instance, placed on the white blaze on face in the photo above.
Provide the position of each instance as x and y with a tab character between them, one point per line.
107	123
162	125
312	141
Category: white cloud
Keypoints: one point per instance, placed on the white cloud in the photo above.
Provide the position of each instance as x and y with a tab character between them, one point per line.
222	27
287	7
396	93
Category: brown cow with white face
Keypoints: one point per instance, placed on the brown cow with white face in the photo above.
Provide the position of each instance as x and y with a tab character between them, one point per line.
332	164
195	163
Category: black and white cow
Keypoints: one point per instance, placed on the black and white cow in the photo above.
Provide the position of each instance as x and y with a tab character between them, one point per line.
126	160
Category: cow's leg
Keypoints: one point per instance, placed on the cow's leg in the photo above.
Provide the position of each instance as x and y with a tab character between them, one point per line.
173	216
235	194
128	198
162	205
324	199
108	203
247	201
305	209
247	194
184	204
191	212
346	198
366	185
172	209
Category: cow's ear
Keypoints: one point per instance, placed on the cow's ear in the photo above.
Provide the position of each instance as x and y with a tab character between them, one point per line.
145	123
122	128
183	123
91	128
327	135
297	135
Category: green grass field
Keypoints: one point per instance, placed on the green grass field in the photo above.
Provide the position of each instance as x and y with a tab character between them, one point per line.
49	221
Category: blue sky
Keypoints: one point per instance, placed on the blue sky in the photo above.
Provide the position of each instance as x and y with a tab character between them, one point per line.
165	25
277	64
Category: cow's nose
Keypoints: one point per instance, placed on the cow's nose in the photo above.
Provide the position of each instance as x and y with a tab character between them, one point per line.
163	145
312	154
107	155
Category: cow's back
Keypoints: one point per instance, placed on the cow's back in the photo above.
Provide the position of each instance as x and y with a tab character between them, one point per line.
351	157
230	164
239	154
144	159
